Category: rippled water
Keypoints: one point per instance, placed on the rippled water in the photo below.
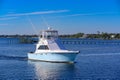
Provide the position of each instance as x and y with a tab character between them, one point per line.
95	62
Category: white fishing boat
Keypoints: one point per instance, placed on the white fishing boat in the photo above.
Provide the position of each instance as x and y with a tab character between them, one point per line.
49	48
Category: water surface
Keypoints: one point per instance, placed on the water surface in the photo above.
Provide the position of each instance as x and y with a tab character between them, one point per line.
95	62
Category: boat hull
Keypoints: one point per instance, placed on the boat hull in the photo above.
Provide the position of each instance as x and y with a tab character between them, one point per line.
53	57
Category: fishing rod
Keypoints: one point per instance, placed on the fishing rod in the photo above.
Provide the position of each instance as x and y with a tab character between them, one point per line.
33	26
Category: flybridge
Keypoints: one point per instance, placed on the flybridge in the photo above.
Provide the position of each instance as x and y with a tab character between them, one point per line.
49	34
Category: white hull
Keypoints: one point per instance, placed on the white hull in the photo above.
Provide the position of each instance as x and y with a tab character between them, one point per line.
53	57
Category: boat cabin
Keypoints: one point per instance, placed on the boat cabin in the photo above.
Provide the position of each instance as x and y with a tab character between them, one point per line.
49	40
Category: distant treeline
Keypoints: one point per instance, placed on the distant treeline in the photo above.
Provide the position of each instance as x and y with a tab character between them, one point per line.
18	36
77	35
93	36
105	36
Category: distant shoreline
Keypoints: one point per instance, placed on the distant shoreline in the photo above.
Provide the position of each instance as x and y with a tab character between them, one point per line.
104	36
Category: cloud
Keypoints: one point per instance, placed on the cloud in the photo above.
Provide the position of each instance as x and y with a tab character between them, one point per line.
7	18
87	14
39	12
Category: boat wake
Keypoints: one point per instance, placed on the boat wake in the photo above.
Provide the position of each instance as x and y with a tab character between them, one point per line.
4	57
102	54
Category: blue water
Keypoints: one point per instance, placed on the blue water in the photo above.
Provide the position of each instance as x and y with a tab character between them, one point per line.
99	61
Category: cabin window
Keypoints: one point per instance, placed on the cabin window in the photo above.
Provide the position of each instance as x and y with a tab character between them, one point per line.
43	47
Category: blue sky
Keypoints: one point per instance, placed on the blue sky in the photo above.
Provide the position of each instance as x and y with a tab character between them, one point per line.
67	16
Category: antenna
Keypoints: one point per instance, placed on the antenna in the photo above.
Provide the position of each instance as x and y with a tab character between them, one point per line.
33	26
45	22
